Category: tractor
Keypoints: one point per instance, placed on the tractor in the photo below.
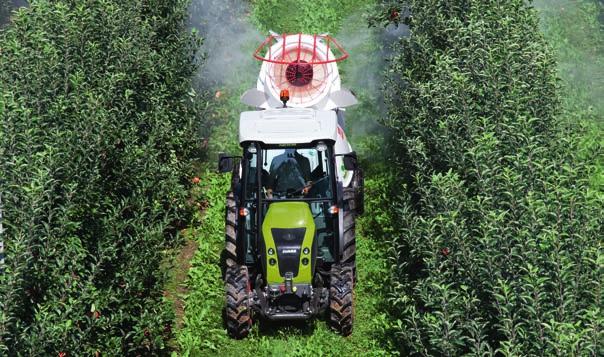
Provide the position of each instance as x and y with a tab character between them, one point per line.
295	193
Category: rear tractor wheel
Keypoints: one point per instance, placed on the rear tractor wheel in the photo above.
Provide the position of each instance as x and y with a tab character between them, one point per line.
238	294
230	249
341	307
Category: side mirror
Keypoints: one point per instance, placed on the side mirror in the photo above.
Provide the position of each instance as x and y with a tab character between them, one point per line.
350	161
225	163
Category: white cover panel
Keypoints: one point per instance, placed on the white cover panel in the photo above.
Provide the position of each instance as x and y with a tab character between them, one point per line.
288	125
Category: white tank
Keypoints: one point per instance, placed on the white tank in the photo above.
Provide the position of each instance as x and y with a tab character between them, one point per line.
302	64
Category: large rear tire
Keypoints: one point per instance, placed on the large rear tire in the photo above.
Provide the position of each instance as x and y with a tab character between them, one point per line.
341	305
238	310
349	248
230	249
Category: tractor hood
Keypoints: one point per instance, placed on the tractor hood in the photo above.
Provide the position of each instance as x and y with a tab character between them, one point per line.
288	233
288	126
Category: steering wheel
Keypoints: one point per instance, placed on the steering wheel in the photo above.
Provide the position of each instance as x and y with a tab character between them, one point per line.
312	183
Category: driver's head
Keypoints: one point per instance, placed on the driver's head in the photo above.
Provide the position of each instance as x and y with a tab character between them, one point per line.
288	176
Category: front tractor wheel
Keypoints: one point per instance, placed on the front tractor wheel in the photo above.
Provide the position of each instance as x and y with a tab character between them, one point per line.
238	293
341	307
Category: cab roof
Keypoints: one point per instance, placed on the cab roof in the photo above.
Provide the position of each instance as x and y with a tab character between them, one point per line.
288	126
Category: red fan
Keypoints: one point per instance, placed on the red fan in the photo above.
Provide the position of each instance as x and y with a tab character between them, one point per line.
302	64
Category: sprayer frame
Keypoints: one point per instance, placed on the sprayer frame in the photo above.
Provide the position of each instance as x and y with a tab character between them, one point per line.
274	39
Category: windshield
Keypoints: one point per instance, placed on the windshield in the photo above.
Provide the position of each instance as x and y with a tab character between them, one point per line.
290	173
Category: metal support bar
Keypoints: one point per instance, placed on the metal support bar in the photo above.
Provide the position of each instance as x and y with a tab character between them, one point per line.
289	316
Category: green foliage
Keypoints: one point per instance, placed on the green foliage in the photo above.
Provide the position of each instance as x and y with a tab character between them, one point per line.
202	332
497	246
98	126
306	16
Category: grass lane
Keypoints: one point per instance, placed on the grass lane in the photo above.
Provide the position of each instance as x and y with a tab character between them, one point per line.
574	29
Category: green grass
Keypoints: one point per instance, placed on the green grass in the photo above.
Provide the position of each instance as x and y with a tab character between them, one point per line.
573	29
202	333
202	327
307	16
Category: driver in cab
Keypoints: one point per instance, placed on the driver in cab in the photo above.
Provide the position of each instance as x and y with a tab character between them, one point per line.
289	173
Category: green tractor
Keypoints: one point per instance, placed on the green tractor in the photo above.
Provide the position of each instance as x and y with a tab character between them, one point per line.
290	223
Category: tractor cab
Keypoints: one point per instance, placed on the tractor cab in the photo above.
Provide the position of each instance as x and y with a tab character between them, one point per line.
293	184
